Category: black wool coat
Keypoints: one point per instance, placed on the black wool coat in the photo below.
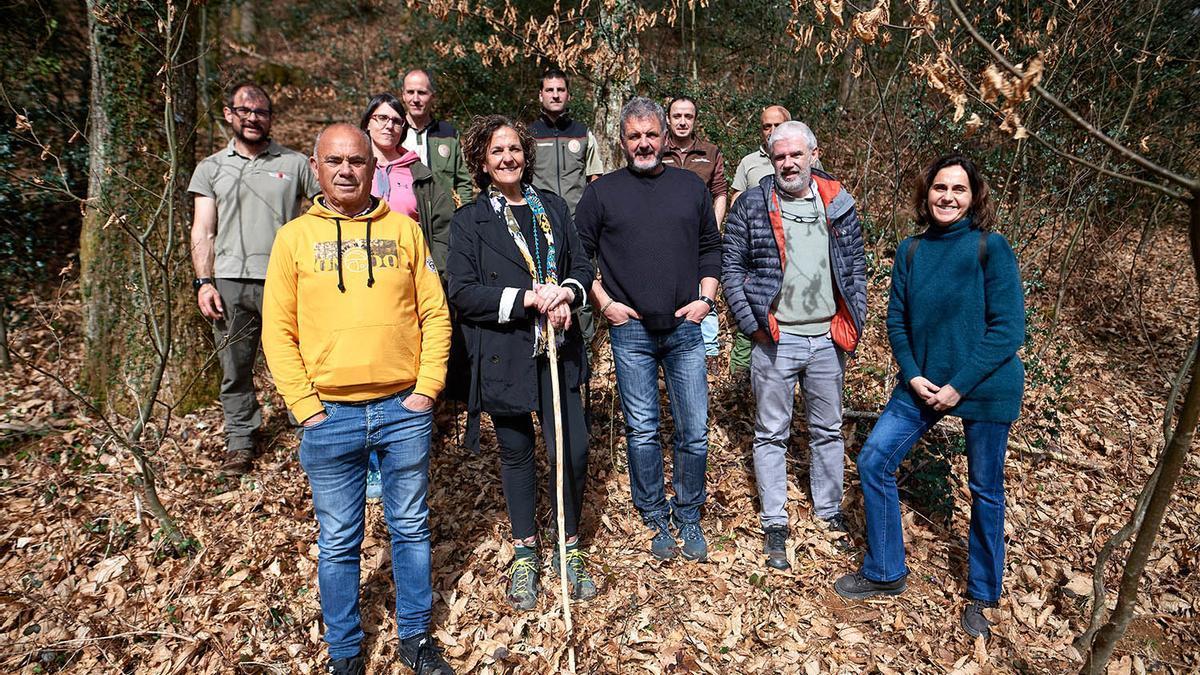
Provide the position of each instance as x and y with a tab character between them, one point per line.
500	371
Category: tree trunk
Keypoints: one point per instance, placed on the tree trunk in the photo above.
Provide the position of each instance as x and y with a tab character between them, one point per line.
5	361
616	76
134	247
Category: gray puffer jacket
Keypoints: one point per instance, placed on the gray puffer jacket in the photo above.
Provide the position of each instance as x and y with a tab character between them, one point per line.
753	267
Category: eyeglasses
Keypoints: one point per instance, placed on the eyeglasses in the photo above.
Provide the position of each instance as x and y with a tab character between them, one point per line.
244	112
384	120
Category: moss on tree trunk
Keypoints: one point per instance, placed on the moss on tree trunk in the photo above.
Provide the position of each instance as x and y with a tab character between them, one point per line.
134	247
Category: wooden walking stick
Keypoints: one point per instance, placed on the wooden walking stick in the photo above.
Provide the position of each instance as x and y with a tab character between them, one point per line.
552	352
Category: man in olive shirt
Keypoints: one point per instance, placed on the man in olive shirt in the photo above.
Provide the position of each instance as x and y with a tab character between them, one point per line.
757	165
434	140
566	159
243	195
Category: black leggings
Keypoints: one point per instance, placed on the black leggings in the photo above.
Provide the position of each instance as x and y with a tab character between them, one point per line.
514	433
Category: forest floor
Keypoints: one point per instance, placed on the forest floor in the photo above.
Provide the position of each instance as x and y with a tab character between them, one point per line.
88	586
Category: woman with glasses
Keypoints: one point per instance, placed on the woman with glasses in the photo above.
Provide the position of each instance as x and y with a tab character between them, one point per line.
407	186
516	267
956	318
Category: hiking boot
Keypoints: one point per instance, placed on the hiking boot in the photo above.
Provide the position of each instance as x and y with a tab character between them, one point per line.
837	523
775	546
523	582
857	587
355	665
237	461
579	582
422	654
694	545
663	546
973	620
374	487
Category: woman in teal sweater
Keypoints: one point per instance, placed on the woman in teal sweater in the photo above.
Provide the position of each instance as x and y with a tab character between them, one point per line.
956	318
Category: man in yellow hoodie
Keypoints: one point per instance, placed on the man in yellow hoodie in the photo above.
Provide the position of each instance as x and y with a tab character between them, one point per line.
357	333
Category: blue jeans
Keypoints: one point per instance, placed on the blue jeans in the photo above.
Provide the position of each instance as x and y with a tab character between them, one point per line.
899	428
709	327
334	455
637	354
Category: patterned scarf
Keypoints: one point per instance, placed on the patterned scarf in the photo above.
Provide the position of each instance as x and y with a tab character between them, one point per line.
549	275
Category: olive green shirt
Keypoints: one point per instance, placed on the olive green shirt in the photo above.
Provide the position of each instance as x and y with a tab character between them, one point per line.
255	196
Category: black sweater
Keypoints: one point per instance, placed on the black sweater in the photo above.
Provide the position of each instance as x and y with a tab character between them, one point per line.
655	237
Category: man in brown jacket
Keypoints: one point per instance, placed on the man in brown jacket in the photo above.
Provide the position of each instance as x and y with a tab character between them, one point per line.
686	151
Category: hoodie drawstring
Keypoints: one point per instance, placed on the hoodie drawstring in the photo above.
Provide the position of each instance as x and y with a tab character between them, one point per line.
370	259
341	282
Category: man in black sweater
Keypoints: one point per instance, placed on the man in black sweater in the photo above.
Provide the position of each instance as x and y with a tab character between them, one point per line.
653	231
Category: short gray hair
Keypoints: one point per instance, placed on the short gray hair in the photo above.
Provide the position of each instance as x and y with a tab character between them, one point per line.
792	129
642	107
339	125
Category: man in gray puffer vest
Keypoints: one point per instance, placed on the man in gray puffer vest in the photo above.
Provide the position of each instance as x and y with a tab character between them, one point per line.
794	273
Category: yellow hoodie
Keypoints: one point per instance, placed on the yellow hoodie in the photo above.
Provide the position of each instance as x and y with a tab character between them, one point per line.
342	325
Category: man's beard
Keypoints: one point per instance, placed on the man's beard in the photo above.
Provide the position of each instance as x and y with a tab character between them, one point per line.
796	185
240	134
632	161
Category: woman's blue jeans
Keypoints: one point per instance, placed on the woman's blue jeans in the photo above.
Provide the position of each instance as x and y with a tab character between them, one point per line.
899	428
334	456
638	353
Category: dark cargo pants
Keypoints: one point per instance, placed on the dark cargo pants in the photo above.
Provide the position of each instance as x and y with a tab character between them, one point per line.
238	335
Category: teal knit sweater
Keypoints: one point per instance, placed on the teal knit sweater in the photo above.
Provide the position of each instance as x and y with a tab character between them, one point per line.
956	321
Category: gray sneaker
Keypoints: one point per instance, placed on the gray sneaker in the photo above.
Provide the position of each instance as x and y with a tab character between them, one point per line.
523	583
663	546
694	545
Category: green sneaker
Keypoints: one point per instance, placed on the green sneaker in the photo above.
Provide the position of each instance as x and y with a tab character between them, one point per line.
523	582
580	584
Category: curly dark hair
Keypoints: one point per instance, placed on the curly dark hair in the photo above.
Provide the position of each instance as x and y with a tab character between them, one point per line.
475	145
982	212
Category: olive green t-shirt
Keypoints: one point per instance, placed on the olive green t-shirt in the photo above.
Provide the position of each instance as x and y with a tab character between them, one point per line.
805	304
255	196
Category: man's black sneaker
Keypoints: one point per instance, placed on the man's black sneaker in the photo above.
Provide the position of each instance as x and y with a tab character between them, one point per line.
857	587
775	546
355	665
421	653
973	620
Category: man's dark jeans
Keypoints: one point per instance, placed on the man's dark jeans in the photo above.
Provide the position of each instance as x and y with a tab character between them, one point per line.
638	353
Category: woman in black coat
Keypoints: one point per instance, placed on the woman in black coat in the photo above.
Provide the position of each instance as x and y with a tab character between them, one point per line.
516	264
